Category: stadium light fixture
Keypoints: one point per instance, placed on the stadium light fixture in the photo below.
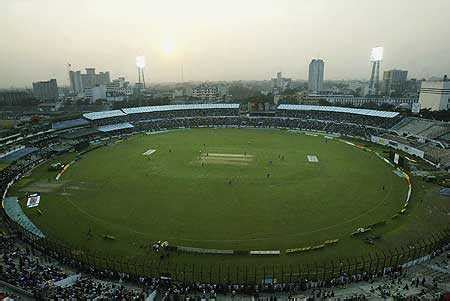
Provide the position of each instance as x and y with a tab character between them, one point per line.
377	54
140	61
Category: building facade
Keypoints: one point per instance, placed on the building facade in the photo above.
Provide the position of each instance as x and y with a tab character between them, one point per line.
364	101
75	81
435	96
212	93
46	90
280	83
315	76
118	90
80	81
16	98
394	82
95	93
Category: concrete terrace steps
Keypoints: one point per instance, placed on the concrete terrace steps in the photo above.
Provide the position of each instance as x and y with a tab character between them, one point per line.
425	130
435	130
422	127
441	132
401	124
415	126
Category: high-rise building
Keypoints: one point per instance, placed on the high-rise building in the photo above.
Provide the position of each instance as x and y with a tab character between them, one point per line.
91	79
435	95
95	93
394	82
75	81
46	90
118	90
315	76
413	86
80	82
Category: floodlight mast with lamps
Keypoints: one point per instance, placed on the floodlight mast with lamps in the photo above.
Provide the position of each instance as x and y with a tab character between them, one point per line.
140	64
140	61
376	56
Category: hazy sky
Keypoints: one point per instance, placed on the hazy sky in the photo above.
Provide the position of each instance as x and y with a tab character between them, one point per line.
220	39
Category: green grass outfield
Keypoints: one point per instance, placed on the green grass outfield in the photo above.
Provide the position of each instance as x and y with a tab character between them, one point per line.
170	195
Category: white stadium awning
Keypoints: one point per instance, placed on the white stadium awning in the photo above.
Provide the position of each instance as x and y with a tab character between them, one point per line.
150	109
366	112
103	114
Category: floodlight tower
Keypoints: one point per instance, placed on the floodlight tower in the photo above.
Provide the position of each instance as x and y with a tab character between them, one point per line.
376	56
140	64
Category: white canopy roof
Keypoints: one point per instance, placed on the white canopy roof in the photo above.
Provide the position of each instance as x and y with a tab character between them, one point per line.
365	112
103	114
202	106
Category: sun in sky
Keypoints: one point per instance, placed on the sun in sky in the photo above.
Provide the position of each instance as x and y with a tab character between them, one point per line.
168	46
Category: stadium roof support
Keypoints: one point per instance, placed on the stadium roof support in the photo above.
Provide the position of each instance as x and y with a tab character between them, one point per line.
366	112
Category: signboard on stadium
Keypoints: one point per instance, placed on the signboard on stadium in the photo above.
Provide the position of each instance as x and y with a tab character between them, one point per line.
396	145
33	200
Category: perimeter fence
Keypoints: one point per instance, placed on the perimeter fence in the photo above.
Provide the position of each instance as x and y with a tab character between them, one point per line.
377	262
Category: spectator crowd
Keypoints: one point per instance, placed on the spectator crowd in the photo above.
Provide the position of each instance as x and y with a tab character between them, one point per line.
39	271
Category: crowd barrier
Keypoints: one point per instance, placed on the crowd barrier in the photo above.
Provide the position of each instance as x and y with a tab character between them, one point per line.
375	262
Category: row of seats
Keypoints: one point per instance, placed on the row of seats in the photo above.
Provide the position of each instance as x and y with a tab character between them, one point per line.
422	127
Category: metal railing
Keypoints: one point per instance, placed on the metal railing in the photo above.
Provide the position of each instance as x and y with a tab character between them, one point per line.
374	263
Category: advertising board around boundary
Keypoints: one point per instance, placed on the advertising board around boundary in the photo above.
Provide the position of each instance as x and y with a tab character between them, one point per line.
397	145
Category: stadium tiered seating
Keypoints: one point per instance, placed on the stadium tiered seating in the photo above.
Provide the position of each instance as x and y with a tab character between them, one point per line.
364	112
18	153
14	211
437	155
67	124
435	131
115	127
421	127
373	118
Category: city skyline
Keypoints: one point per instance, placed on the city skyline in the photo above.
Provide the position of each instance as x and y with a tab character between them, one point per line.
224	41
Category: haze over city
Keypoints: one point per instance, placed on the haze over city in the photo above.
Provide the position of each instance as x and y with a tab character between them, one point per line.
220	40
